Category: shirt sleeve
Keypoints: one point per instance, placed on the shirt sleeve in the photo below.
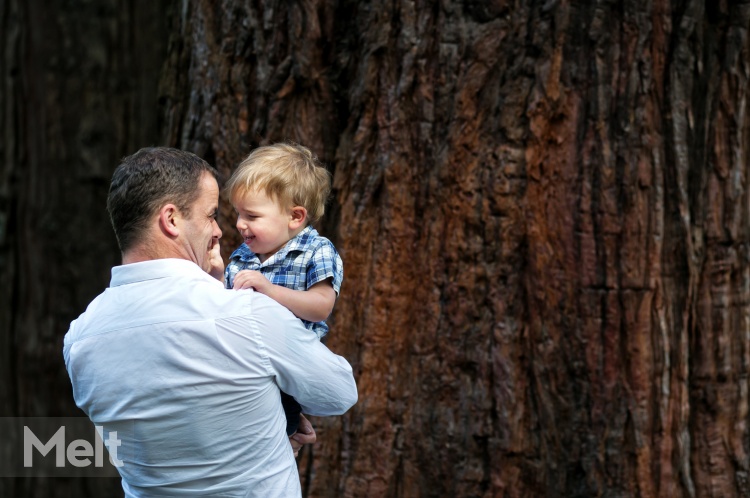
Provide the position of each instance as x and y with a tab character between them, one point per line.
234	266
229	272
325	263
321	381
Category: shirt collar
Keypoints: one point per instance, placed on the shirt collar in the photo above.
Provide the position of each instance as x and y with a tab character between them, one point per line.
156	268
299	242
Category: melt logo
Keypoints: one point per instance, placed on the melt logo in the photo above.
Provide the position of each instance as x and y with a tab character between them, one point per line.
77	453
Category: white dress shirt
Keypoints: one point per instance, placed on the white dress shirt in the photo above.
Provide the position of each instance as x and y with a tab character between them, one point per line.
189	373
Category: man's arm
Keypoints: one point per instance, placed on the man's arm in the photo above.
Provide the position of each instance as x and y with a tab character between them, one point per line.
314	304
321	381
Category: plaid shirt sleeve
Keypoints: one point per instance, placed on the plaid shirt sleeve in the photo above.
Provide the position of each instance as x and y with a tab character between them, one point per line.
325	263
240	259
229	272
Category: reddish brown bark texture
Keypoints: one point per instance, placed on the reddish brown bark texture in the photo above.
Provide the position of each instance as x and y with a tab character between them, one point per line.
543	212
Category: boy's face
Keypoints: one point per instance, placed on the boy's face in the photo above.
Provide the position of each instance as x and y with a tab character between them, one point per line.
263	224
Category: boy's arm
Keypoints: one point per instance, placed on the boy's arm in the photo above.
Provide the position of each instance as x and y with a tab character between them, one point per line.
314	305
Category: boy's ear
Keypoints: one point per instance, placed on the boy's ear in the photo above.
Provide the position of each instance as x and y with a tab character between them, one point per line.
168	215
299	217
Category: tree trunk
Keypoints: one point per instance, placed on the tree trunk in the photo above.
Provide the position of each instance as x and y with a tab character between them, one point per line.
78	91
542	208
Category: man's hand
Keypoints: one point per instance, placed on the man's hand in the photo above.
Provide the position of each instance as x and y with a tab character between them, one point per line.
305	435
247	279
216	261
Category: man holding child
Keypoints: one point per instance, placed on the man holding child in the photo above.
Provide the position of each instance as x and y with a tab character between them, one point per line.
189	372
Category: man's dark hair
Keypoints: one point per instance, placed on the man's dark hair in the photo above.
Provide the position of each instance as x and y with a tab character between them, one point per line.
145	181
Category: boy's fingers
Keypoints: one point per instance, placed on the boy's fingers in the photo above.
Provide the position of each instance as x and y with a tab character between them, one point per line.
242	285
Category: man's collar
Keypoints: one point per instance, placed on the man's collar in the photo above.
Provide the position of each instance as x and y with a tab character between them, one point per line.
297	243
156	268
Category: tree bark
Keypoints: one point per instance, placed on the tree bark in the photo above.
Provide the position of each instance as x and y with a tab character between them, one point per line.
78	91
542	208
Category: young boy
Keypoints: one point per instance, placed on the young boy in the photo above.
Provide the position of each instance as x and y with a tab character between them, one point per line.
278	191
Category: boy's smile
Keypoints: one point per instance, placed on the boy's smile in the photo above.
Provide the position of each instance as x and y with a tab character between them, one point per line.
264	225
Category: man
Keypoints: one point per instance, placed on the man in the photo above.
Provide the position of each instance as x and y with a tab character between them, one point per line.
183	373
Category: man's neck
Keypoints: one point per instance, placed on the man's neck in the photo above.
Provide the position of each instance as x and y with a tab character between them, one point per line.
149	252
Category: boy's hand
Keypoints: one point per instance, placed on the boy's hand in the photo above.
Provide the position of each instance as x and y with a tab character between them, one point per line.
247	279
216	261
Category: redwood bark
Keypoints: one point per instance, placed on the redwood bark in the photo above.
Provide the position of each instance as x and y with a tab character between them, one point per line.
78	91
542	209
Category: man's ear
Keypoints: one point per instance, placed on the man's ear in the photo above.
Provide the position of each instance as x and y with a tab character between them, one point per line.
168	216
299	217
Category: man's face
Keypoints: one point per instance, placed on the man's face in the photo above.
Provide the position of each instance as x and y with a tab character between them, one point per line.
201	229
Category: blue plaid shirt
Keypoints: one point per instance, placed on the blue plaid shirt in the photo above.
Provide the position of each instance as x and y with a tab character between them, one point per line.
304	261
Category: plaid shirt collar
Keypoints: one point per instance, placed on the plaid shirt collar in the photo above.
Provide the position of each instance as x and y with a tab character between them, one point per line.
297	244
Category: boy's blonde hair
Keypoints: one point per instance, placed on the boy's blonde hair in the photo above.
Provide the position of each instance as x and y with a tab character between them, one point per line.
288	173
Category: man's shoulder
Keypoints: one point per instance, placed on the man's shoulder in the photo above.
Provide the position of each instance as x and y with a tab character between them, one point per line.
246	302
222	301
182	297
